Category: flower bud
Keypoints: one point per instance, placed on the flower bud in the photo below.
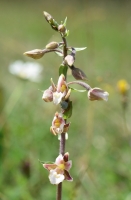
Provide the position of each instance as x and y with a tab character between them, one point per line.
52	45
36	53
48	17
69	60
48	95
97	94
51	21
78	73
61	28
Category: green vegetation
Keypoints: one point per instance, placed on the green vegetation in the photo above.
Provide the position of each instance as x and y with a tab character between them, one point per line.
100	139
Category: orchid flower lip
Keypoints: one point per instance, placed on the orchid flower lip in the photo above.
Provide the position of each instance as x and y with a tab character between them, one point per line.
55	178
57	97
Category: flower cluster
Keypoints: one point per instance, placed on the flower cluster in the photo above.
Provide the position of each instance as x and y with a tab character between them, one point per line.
60	93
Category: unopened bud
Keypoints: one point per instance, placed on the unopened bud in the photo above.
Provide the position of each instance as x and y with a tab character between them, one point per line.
36	53
78	73
61	28
69	60
51	21
48	95
97	94
48	17
52	45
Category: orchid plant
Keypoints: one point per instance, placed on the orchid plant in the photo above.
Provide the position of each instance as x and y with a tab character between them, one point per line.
60	94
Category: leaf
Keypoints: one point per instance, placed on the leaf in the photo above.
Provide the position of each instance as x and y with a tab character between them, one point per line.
59	54
80	49
67	33
45	162
68	112
63	70
74	89
65	21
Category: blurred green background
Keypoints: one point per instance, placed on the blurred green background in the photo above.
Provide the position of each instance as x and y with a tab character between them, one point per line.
99	137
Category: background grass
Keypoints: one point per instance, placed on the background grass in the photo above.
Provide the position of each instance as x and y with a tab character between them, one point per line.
99	144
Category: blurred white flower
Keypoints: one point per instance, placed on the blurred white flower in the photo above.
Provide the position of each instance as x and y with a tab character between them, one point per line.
26	70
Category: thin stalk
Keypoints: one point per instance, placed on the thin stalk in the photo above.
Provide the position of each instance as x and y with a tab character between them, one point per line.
64	47
62	140
59	191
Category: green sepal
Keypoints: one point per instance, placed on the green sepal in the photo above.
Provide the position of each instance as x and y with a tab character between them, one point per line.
55	23
74	89
80	49
59	54
65	21
63	70
45	162
67	33
68	112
